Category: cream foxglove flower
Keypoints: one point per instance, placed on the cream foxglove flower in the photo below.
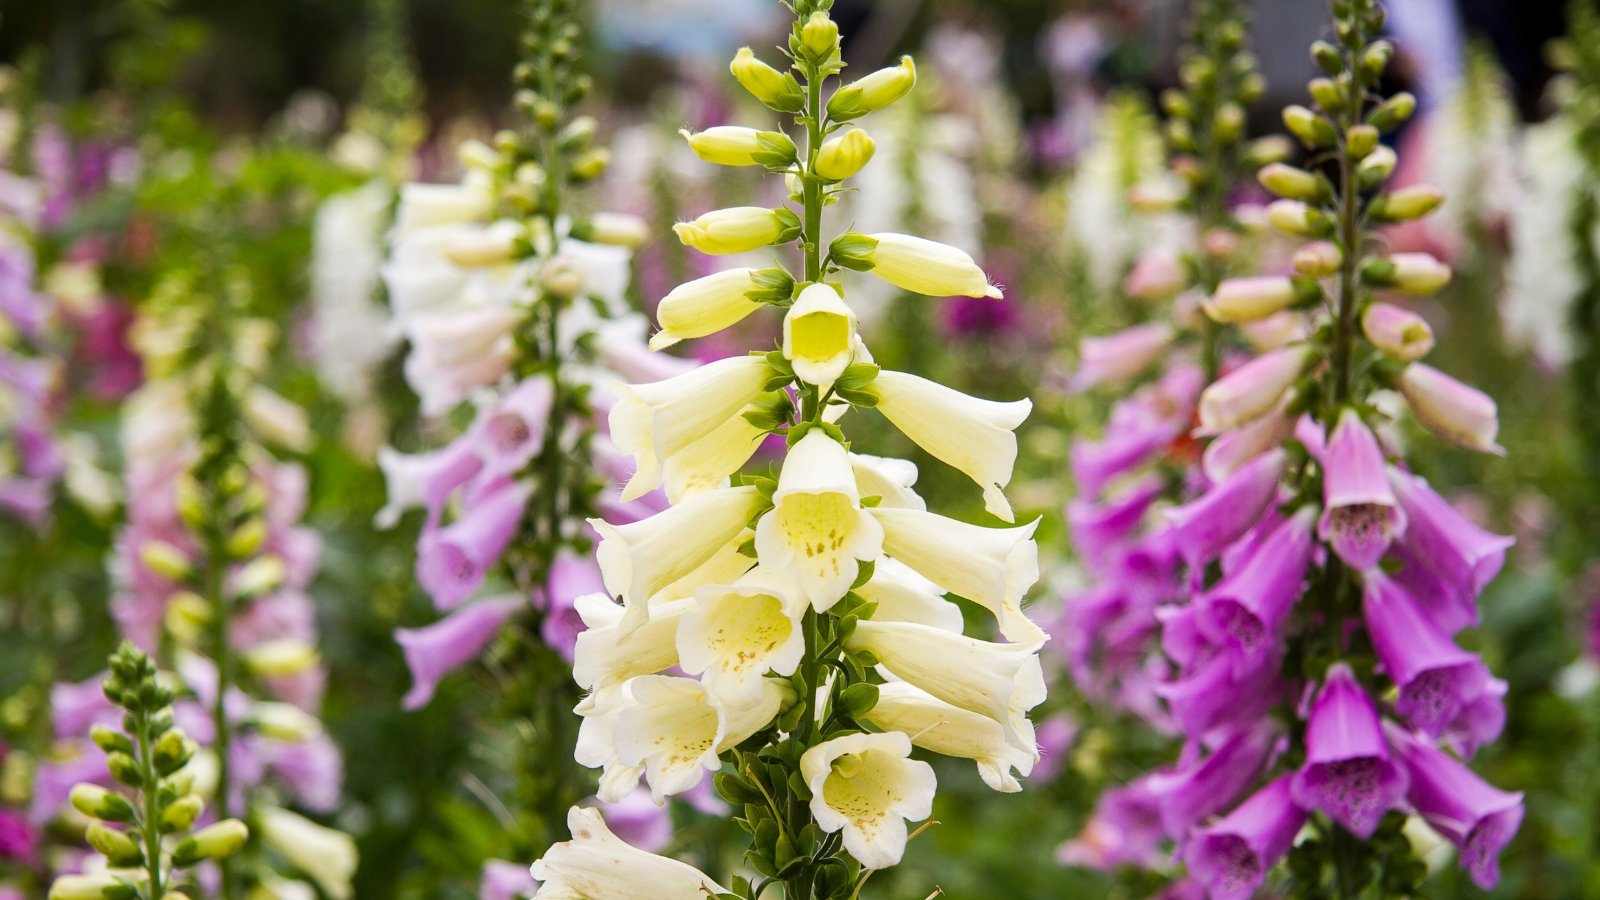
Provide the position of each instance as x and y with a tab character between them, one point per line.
973	435
904	596
738	229
992	567
597	747
676	729
598	865
922	266
935	725
705	306
654	422
891	480
425	206
706	464
1001	681
866	786
607	654
640	558
325	855
734	634
819	335
817	531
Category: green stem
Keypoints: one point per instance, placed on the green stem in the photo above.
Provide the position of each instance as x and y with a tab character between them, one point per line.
215	595
152	811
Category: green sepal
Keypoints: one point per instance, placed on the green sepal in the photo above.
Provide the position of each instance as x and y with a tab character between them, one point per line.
853	251
774	286
864	570
857	700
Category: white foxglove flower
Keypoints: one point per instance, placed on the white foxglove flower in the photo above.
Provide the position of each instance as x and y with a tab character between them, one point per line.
975	436
817	531
890	480
597	747
904	596
607	653
819	335
937	726
676	729
640	558
347	324
276	419
705	306
598	865
1001	681
451	354
655	422
325	855
734	634
706	464
867	786
432	205
926	267
1543	280
992	567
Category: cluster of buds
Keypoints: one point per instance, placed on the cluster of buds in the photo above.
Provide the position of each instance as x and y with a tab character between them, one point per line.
1326	579
145	829
807	612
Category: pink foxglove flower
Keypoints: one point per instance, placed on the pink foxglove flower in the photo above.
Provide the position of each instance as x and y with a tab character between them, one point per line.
1245	610
1231	856
1253	389
1121	356
1348	773
1464	555
1479	819
1202	528
452	561
1451	409
434	651
1359	515
1436	678
1189	794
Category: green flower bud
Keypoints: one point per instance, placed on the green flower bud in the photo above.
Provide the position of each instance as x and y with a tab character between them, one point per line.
1327	57
590	164
110	740
192	504
819	37
1361	140
617	229
124	769
732	145
1296	218
777	90
578	134
120	850
1376	58
1318	259
1328	94
1408	203
98	803
247	539
1270	149
166	560
1294	184
873	92
1313	131
1393	113
843	156
1376	168
217	841
1176	103
1230	123
260	576
180	814
99	886
172	751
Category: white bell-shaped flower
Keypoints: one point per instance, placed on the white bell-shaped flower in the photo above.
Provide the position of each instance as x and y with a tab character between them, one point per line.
325	855
675	729
891	480
904	596
424	206
655	422
1001	681
974	435
819	335
640	558
992	567
597	746
867	786
706	464
735	633
935	725
607	654
817	531
598	865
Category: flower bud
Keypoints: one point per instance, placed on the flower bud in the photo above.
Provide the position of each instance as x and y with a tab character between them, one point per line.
1450	409
1408	203
873	92
1328	94
776	89
590	164
738	229
1361	140
707	305
1418	274
1312	130
124	769
1318	260
118	848
181	814
98	886
1270	149
192	505
281	657
1219	243
913	264
260	576
1399	333
1327	57
1157	275
186	617
562	278
841	157
1155	196
247	539
217	841
1393	113
1240	300
172	751
819	335
1296	218
166	560
1175	103
110	740
1292	183
819	37
98	803
1376	58
482	247
732	145
617	229
1376	168
1230	123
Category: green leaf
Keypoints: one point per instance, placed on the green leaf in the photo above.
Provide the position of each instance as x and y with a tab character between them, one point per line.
857	700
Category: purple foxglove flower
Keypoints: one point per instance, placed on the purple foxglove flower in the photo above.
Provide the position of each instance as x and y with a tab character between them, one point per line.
53	780
1253	389
1231	856
1454	411
1055	737
571	576
19	841
1465	555
639	821
1097	527
433	651
1480	721
1189	794
1348	773
1156	275
976	317
1359	513
1214	693
1436	678
312	770
1119	357
1245	610
1235	447
1445	603
1476	817
452	561
424	479
1181	638
1202	528
511	432
1124	829
505	881
27	499
1096	463
78	705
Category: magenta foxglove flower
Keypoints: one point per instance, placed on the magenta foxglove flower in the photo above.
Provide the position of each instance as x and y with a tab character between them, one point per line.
78	705
1119	357
1124	829
1463	554
1478	818
1202	528
1348	773
1479	723
1189	794
1216	692
511	432
434	651
1437	679
452	561
1444	602
1359	513
1247	608
1231	856
19	841
1097	527
1253	389
571	576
